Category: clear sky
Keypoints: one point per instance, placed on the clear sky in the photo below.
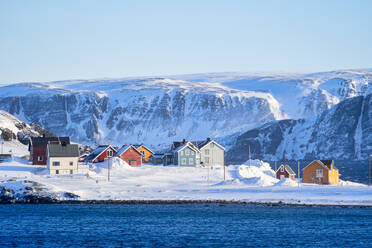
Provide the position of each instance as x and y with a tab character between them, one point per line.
53	40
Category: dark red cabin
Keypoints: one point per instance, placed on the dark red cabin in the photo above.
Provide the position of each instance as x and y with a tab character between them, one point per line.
38	148
100	154
285	171
130	155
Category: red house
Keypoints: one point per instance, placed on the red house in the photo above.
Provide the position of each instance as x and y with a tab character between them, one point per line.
130	155
285	171
100	154
38	147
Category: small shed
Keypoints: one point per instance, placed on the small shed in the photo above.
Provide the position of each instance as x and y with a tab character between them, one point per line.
285	171
157	158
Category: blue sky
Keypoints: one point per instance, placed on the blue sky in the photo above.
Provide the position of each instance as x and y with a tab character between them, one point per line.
53	40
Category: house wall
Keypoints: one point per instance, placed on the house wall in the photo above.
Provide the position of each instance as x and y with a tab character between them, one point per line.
195	156
212	155
36	152
64	168
103	156
333	176
146	154
132	157
279	173
309	174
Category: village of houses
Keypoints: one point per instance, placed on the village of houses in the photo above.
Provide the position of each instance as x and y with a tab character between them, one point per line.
188	170
63	158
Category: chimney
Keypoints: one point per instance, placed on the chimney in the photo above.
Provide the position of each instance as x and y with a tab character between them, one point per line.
184	141
208	139
64	143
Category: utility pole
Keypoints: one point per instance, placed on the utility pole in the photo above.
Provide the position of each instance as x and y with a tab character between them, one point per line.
369	170
224	167
298	171
275	165
249	154
108	169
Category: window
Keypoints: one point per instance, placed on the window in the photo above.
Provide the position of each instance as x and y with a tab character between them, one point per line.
56	163
71	163
40	158
187	152
57	172
319	173
206	151
282	169
183	160
109	153
71	172
192	152
143	153
191	160
207	160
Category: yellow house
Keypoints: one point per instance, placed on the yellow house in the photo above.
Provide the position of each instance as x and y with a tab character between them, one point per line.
320	172
146	152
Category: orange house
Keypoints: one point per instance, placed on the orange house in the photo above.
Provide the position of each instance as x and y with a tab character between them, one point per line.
146	152
320	172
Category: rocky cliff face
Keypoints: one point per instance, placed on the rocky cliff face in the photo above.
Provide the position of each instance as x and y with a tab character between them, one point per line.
343	132
155	111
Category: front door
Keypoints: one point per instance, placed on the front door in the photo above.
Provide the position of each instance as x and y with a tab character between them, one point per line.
133	162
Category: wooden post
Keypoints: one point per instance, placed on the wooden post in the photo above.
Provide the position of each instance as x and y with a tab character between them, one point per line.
108	169
249	154
224	169
369	170
298	171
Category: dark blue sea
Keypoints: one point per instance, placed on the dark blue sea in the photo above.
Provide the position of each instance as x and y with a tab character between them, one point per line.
184	225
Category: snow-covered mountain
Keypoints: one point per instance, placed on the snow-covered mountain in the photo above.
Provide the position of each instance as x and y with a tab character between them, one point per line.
159	110
343	132
152	110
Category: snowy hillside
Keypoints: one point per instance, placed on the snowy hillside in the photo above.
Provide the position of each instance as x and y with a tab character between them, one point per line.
159	110
153	110
343	132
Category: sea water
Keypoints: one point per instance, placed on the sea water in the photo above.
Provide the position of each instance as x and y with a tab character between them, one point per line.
183	225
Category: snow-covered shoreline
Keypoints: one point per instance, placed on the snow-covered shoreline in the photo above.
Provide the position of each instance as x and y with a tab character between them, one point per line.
246	184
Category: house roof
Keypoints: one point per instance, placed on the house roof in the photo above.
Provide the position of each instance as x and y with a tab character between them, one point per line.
98	151
326	164
203	143
124	148
287	168
58	150
188	144
43	141
157	155
138	146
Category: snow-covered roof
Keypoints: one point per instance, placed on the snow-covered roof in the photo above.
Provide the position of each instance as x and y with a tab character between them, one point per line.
138	146
188	144
98	151
124	148
287	168
203	143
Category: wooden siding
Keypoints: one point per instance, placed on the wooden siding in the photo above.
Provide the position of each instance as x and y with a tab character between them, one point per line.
132	157
330	176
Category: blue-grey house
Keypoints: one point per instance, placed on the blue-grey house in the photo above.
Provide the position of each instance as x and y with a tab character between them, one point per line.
182	154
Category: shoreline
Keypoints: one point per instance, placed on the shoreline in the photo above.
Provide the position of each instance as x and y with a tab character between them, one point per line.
179	202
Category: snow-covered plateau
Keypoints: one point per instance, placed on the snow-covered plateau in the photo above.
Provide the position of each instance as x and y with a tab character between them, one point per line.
158	110
252	182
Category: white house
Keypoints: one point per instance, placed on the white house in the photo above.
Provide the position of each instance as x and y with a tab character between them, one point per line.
211	153
62	159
